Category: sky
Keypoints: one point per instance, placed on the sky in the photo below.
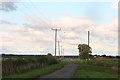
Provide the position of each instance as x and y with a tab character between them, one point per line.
25	27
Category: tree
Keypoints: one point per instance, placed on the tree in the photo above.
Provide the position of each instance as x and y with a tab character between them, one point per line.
49	54
84	51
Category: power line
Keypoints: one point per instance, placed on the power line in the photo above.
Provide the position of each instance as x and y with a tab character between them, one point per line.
56	29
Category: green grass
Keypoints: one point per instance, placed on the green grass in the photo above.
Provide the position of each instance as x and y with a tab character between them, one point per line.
38	72
106	63
93	74
93	71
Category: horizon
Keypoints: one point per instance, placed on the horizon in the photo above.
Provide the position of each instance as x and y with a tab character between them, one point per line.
52	55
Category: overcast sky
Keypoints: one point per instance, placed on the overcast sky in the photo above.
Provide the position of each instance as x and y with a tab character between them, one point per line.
25	27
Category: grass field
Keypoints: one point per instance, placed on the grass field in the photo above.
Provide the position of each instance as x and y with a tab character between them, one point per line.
37	72
94	71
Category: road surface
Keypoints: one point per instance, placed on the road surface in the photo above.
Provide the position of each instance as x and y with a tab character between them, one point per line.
66	72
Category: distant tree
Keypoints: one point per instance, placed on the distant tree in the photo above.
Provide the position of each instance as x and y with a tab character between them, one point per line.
49	54
104	55
84	51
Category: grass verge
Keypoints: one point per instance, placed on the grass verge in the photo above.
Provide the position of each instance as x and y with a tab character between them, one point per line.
37	72
93	71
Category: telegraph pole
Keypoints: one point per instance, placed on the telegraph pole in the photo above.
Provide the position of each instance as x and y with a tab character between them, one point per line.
88	41
88	37
59	48
63	53
56	29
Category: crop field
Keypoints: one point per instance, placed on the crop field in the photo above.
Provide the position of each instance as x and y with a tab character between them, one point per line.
96	69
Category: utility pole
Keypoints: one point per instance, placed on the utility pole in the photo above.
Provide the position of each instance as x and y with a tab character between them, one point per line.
59	48
88	41
63	53
88	37
56	29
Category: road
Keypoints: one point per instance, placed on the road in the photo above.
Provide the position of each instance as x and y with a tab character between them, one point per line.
66	72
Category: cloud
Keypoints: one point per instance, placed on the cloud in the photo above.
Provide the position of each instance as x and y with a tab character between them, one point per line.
96	46
108	31
14	43
76	27
6	22
25	39
38	23
67	53
71	42
115	5
74	23
38	37
13	29
7	6
70	35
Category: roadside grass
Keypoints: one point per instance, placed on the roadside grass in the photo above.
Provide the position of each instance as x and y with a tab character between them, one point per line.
93	71
106	63
17	65
93	74
35	73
